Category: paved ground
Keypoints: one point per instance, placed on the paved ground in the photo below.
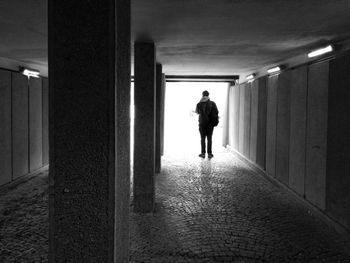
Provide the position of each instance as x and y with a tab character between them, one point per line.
221	211
207	211
24	222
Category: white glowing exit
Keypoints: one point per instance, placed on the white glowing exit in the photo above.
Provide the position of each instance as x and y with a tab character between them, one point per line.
181	135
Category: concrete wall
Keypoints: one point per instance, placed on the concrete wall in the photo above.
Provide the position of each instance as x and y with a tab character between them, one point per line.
261	131
21	129
299	131
338	141
5	127
35	124
45	115
283	127
271	117
297	150
316	134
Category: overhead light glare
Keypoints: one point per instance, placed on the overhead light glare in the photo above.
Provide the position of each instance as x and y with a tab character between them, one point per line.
274	70
320	51
250	77
30	72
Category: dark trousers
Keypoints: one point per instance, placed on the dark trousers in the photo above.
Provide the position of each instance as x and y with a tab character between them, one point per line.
206	132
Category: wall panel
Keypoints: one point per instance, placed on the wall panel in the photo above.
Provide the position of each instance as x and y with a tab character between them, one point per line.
338	140
254	106
236	108
298	98
316	140
45	114
246	121
230	108
35	124
261	133
283	127
20	140
5	127
241	131
271	121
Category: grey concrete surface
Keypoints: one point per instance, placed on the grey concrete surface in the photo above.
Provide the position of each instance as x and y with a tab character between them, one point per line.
45	111
5	127
271	123
158	128
316	147
261	133
254	108
283	127
89	82
241	130
35	124
338	140
246	120
144	127
297	149
20	127
235	120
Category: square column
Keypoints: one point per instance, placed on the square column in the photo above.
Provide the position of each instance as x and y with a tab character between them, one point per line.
160	83
162	115
145	115
89	70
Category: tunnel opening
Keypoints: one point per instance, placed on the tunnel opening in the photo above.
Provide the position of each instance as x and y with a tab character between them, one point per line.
181	134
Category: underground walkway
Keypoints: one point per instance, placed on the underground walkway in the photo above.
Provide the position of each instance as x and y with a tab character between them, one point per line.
222	211
206	211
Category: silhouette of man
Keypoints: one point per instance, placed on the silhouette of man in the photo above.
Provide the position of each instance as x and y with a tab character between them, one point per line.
206	108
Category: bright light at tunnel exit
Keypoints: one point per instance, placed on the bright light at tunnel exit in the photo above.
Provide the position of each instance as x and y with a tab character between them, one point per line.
181	131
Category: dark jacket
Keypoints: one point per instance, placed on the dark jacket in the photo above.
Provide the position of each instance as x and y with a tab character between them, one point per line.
204	109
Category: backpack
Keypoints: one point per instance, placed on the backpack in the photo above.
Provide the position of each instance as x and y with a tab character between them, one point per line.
213	117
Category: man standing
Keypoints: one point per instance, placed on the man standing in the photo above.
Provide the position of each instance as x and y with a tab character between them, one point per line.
208	118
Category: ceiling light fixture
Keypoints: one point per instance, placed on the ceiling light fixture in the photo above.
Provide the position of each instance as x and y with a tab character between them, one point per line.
320	51
250	77
29	72
274	69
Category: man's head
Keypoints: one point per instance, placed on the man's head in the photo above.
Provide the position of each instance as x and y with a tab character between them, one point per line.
205	93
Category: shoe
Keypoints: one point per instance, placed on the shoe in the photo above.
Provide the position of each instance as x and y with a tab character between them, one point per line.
210	155
202	155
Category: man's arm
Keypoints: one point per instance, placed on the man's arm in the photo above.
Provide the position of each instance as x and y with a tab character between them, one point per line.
197	111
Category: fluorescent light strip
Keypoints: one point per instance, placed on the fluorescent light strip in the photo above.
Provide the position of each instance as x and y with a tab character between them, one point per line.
31	73
250	77
273	70
320	51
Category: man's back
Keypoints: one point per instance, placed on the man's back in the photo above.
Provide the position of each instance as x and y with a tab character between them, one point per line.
205	109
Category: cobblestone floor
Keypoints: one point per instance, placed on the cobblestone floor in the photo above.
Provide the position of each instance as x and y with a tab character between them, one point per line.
24	224
206	211
219	210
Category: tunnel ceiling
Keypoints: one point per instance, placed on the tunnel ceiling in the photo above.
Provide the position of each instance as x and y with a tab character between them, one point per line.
197	37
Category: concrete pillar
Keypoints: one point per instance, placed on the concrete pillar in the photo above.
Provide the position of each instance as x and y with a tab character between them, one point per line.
144	136
159	91
89	69
162	115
